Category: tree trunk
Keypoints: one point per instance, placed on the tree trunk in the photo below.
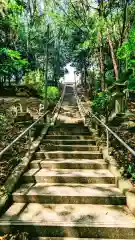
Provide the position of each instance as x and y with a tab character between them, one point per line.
91	89
115	65
124	21
102	67
101	52
85	74
46	68
81	77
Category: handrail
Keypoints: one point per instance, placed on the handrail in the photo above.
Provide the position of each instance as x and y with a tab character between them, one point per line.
60	100
105	126
32	125
22	134
58	106
114	134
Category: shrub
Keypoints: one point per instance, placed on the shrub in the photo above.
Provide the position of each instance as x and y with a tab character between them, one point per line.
53	94
102	104
131	83
36	80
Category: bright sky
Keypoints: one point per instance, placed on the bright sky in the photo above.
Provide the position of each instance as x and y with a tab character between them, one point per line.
69	77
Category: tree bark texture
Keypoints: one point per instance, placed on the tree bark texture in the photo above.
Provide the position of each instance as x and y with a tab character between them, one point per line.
115	65
101	59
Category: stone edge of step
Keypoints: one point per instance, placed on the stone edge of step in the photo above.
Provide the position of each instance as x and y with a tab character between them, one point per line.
41	163
73	238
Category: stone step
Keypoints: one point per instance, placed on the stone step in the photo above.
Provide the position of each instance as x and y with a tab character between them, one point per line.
72	147
68	154
67	131
81	137
68	176
69	164
70	133
72	238
71	126
70	220
70	141
70	194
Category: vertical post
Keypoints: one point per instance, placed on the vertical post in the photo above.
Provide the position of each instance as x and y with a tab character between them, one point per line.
107	140
75	79
46	69
30	142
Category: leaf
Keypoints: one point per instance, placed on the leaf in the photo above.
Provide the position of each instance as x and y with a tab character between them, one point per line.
133	175
14	54
129	168
86	44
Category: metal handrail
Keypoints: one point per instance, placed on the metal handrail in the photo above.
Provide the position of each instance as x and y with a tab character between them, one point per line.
58	106
28	130
105	126
114	134
60	100
22	134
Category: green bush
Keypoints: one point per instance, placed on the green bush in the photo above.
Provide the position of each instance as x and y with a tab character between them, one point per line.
102	104
36	80
109	76
131	83
53	94
131	171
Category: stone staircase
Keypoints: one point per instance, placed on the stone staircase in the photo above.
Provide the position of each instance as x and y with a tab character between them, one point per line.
68	193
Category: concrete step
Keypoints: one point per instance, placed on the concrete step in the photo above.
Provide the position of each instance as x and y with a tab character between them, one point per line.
72	238
70	220
81	137
70	194
68	154
69	164
70	141
67	131
68	176
68	125
72	128
72	147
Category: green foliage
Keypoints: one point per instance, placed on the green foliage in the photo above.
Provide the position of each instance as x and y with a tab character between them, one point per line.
102	103
23	37
36	80
53	94
15	7
109	76
124	51
97	83
11	61
131	170
131	82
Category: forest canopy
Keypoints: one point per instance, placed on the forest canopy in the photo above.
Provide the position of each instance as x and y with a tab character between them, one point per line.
97	37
